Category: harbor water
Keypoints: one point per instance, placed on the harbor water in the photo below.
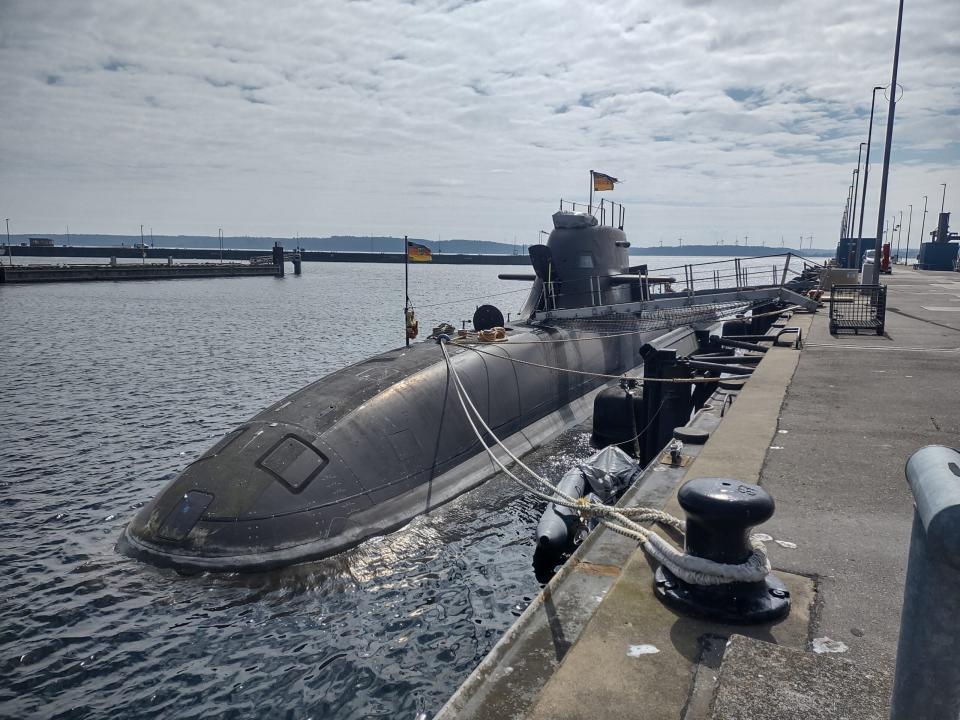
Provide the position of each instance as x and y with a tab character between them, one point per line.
110	389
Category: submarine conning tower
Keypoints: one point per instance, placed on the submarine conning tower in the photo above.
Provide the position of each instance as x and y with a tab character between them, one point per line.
583	262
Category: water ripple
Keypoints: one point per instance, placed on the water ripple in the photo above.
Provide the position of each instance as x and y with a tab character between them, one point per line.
110	389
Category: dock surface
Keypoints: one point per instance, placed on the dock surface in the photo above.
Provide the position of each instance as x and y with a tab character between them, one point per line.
827	431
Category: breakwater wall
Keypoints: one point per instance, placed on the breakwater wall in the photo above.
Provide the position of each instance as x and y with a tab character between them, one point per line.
235	254
152	271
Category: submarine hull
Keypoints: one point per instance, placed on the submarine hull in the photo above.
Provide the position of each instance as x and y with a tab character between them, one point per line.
366	449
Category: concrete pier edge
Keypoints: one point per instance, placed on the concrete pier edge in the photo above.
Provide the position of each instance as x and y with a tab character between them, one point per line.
826	431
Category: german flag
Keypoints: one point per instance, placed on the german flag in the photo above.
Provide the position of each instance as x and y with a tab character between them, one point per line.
418	253
603	182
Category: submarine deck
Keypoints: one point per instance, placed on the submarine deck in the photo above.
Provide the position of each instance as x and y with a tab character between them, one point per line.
827	432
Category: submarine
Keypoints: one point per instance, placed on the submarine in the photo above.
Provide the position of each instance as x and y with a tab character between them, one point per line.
367	448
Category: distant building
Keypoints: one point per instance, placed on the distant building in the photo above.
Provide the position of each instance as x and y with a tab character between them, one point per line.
41	242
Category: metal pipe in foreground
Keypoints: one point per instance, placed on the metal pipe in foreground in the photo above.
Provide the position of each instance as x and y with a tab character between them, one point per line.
720	367
730	342
927	681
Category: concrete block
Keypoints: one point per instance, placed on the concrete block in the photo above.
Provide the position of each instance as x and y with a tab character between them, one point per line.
762	680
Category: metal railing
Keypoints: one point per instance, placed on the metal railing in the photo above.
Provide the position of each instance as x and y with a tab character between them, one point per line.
927	679
687	284
607	212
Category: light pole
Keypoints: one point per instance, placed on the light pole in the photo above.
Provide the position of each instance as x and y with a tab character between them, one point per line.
899	230
143	248
906	253
220	232
923	223
846	212
943	200
853	200
892	108
866	169
9	250
856	186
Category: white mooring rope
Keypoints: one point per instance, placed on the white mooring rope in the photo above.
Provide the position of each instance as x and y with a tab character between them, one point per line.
690	569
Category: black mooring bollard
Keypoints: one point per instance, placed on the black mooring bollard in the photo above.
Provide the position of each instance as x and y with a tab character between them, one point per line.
720	515
668	405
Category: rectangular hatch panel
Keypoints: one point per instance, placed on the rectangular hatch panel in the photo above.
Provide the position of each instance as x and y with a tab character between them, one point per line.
180	521
293	462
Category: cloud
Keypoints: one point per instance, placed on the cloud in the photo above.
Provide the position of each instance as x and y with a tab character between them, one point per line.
321	118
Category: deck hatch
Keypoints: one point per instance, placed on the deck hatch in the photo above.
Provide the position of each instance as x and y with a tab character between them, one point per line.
293	462
180	521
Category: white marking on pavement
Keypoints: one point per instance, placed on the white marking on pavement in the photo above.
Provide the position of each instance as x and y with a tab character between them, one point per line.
826	645
638	650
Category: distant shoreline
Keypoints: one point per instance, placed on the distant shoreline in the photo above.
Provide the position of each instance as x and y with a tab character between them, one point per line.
371	245
179	253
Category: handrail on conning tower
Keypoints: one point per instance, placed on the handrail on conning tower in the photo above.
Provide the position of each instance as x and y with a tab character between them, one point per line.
703	283
607	208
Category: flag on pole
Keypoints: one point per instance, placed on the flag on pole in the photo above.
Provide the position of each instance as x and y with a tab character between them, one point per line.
418	253
603	182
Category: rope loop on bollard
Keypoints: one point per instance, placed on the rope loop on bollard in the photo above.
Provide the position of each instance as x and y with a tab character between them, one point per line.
623	521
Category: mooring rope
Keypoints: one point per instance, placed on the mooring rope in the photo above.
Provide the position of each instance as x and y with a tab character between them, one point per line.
690	569
606	376
470	299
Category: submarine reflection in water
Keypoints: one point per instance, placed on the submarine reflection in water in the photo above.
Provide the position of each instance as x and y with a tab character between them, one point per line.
366	449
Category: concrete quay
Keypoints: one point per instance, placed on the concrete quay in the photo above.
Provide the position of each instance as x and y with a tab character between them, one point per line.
827	431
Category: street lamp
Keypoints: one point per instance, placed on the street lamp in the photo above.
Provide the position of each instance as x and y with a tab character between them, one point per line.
923	224
847	225
891	111
220	231
9	250
866	168
906	253
899	233
856	187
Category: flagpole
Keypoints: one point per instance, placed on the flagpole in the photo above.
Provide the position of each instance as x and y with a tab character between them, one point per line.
406	288
590	206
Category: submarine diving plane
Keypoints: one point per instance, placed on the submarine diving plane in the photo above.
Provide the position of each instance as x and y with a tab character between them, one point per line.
367	448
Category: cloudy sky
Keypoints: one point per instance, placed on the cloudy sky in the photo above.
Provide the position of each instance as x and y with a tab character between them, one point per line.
464	119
